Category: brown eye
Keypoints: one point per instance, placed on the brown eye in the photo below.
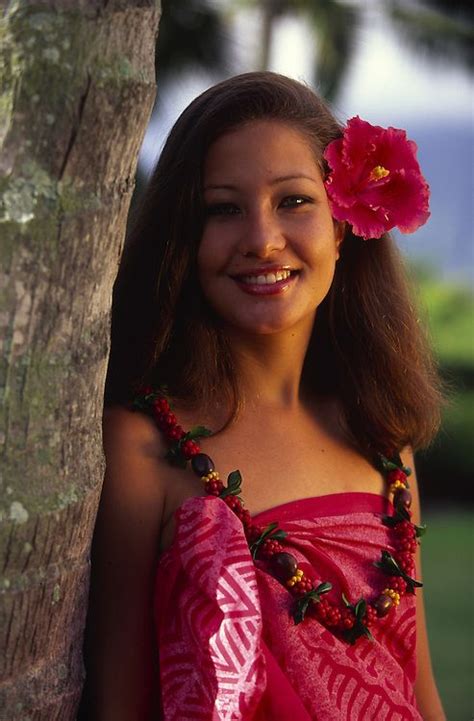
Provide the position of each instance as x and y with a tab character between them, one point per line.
295	201
222	209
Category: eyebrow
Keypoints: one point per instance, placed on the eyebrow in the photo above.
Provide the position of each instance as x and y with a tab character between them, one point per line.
275	181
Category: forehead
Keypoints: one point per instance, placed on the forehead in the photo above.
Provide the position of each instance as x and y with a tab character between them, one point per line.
261	149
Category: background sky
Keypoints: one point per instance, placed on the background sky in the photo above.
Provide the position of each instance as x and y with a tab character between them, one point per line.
387	84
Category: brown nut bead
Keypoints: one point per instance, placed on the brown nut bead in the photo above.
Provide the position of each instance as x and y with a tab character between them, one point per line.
284	565
402	498
202	464
383	604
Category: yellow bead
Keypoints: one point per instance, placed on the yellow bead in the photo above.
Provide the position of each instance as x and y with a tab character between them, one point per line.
396	485
394	595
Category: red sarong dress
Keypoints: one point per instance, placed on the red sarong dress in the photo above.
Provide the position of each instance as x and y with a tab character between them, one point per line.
228	647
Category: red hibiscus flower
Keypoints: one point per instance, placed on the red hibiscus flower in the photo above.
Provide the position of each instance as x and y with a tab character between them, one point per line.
375	183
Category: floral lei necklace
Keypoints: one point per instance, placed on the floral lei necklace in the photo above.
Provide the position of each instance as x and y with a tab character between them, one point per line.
348	620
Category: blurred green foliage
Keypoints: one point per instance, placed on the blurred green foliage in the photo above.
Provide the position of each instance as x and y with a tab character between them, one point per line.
450	309
449	599
446	469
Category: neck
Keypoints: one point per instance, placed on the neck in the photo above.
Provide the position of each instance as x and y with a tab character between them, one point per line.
270	367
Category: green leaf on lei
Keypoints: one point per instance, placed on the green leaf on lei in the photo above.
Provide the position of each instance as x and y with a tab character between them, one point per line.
272	532
359	628
197	432
389	566
234	483
401	514
140	404
301	605
360	609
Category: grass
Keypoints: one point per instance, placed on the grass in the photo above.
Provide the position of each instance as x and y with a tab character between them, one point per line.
449	597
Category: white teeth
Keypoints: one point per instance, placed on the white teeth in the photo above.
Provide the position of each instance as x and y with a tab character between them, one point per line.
267	279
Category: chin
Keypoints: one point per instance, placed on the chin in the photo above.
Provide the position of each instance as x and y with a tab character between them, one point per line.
268	326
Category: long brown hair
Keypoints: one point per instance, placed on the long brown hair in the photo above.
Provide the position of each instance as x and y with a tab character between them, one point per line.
367	346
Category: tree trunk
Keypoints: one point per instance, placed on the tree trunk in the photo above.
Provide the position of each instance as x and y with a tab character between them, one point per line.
78	88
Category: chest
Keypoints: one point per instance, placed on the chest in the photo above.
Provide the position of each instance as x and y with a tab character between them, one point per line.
280	460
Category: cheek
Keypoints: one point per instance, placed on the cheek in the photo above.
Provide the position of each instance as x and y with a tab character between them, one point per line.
216	250
323	260
320	244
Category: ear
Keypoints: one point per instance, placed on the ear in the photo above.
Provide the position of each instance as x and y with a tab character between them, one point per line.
339	231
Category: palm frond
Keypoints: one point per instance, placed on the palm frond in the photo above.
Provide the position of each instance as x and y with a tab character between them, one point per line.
335	27
192	33
435	32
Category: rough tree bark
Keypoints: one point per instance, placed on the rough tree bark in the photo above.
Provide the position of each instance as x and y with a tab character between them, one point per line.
78	87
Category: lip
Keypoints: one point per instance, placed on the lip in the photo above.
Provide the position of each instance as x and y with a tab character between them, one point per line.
277	288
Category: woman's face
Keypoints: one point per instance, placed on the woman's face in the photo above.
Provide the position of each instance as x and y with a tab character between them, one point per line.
269	246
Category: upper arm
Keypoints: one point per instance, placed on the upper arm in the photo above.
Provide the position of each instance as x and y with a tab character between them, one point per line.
120	652
426	692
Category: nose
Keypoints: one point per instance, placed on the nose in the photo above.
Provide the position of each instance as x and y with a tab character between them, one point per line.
261	234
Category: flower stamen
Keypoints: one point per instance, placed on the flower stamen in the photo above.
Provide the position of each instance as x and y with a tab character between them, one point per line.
379	172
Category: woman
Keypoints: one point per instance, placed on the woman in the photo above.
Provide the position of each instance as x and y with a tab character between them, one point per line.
261	295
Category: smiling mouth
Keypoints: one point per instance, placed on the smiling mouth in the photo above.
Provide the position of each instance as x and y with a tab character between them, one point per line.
265	279
274	281
268	278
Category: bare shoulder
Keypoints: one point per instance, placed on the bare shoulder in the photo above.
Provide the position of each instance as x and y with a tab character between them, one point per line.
135	478
130	429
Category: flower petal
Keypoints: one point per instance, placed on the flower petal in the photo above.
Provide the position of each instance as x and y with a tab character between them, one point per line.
368	223
395	151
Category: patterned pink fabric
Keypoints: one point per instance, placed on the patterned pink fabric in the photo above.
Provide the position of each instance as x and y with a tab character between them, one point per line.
229	650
